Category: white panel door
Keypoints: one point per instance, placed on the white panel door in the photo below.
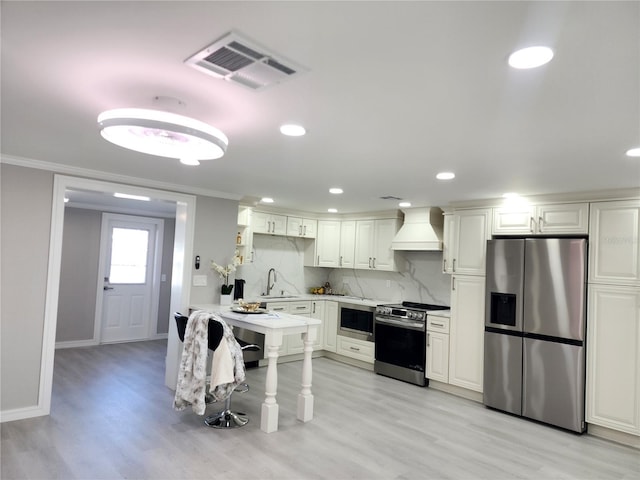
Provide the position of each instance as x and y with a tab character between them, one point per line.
129	270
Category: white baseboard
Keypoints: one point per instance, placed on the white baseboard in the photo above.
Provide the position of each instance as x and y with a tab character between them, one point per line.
22	413
76	343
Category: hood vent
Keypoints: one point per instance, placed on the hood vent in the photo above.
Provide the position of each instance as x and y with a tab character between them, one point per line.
422	230
240	60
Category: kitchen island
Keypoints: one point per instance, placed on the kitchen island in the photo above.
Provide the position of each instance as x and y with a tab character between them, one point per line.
274	326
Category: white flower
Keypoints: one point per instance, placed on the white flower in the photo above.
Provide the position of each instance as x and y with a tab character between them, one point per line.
224	272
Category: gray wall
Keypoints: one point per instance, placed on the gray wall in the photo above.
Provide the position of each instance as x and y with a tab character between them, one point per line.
25	221
216	230
25	199
79	275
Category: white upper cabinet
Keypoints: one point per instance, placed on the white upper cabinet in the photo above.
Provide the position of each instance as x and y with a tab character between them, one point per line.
301	227
448	242
262	222
466	246
614	253
327	246
373	244
347	244
566	219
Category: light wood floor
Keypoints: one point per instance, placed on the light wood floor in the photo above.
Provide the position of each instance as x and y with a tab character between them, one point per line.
111	418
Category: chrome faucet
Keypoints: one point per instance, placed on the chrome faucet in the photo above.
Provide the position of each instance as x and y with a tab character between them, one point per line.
275	279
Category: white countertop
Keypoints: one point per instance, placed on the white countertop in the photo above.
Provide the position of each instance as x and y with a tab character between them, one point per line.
266	320
370	302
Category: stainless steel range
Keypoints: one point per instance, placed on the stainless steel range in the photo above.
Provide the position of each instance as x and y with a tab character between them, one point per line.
400	340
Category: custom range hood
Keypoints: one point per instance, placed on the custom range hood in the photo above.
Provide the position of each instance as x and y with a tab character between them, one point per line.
422	230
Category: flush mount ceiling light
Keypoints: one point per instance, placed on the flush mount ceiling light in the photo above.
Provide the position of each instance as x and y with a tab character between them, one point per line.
332	210
267	200
530	57
335	190
291	130
163	134
404	204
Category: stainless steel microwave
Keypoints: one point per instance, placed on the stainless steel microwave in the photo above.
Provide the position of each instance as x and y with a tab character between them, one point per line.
356	321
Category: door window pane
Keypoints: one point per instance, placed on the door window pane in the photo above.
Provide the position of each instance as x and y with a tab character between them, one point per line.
128	256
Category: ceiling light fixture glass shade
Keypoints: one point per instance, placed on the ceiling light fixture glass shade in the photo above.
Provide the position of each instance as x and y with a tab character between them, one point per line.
530	57
163	134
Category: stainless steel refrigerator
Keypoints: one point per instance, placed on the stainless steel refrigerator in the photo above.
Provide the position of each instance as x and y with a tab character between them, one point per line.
535	324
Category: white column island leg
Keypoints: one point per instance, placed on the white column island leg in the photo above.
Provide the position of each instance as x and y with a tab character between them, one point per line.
270	408
305	397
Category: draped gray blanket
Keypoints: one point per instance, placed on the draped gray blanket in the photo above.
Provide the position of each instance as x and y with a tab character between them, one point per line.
192	375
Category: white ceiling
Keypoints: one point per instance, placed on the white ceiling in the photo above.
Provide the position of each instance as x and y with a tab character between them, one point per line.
396	92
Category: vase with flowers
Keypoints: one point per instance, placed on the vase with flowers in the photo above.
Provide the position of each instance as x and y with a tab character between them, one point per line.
224	272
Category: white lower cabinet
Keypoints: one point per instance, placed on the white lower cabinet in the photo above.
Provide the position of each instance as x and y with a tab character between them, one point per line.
437	367
354	348
330	329
613	357
466	338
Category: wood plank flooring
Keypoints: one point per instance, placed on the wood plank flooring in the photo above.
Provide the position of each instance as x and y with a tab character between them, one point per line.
111	418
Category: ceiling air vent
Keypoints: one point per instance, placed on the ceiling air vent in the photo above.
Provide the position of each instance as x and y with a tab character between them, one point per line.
240	60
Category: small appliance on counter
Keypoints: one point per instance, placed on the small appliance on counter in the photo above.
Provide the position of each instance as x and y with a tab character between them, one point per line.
238	289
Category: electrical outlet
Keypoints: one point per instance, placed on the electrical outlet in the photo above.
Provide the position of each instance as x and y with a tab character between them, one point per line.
199	280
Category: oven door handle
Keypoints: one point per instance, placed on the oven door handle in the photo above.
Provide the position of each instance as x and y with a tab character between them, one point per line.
401	323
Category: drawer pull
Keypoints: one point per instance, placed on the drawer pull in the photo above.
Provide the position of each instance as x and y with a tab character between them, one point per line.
437	324
356	349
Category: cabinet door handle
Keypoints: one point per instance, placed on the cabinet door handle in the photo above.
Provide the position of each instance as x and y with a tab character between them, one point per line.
268	227
369	262
314	307
428	336
300	230
278	309
531	224
340	260
300	308
540	225
374	262
356	349
453	283
453	266
304	231
318	260
437	324
444	264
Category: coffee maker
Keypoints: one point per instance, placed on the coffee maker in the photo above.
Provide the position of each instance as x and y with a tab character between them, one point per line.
238	289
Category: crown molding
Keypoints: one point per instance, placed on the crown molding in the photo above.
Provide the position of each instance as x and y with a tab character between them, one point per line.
114	177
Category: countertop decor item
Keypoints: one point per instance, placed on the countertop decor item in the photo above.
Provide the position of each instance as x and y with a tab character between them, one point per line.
224	273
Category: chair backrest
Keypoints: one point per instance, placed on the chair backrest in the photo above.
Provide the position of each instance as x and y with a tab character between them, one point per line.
214	331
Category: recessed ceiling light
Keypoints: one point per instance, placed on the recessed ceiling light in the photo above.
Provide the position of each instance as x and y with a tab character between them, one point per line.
292	130
132	197
404	204
267	200
335	190
445	175
633	152
332	210
530	57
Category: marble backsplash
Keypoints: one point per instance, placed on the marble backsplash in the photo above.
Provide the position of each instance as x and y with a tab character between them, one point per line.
420	278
